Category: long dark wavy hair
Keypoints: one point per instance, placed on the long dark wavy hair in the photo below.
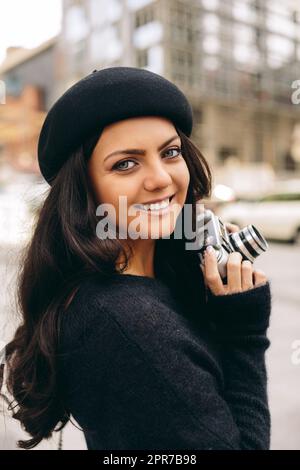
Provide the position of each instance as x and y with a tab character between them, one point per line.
64	250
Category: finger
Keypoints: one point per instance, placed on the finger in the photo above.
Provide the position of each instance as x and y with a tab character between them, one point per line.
232	227
247	275
203	272
212	275
259	277
234	278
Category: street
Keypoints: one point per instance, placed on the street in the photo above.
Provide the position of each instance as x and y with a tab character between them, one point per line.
281	263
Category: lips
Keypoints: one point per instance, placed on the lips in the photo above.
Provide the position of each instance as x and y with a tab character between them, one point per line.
162	210
158	200
156	206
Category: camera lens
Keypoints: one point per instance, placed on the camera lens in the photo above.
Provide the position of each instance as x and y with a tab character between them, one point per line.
249	242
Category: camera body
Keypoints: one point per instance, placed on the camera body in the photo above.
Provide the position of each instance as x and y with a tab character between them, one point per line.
249	242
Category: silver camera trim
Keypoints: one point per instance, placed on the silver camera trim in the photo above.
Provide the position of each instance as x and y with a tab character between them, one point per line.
212	231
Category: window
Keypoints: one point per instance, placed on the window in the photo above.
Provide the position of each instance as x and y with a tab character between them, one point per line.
155	59
13	85
279	7
108	36
211	4
211	45
148	35
280	50
211	23
243	34
211	63
76	26
281	25
181	60
144	16
243	10
226	152
181	23
102	11
137	4
246	53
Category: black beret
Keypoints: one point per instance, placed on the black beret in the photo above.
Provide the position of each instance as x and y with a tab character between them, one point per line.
101	98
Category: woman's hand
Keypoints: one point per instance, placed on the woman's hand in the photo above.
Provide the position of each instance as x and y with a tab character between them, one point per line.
240	274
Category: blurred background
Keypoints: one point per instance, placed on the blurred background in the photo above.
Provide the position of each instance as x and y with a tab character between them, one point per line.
238	62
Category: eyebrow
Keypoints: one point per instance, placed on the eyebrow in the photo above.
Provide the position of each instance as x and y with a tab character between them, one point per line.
138	151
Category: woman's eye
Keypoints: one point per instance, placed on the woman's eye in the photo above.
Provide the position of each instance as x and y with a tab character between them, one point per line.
174	149
118	166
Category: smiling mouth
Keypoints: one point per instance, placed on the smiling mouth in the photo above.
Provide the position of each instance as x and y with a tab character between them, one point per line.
161	209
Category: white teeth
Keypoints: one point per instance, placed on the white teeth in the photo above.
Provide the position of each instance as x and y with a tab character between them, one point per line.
157	206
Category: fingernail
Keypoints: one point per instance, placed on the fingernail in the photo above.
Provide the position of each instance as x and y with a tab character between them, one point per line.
209	249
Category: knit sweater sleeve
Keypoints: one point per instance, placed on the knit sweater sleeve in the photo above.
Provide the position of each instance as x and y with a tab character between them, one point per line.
138	377
241	321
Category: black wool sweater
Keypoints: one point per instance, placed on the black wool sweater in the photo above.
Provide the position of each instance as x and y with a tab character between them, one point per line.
137	373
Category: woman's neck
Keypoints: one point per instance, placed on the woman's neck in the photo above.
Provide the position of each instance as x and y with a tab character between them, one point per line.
141	262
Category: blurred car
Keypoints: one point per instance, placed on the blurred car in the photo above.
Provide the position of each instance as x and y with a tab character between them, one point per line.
276	214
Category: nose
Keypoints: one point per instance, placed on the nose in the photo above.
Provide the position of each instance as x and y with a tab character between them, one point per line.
157	175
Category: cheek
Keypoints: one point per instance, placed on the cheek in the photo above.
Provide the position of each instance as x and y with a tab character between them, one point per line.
121	194
182	176
108	191
101	192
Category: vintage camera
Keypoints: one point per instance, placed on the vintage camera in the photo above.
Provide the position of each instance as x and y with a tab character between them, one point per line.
211	231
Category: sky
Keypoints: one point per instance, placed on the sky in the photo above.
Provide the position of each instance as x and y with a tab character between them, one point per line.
28	23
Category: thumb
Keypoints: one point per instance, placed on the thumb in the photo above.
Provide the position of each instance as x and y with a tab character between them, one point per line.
259	277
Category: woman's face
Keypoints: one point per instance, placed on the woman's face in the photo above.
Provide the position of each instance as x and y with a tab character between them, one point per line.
151	169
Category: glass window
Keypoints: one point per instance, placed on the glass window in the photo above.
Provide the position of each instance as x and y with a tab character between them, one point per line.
243	33
245	53
13	85
148	35
114	10
242	10
113	46
280	24
76	26
211	63
137	4
279	7
280	47
144	16
155	59
211	23
211	45
211	4
97	12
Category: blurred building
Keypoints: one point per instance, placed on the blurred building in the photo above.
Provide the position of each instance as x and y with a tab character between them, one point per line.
235	59
29	77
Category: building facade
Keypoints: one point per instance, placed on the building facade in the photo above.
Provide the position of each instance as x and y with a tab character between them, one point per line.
29	77
235	59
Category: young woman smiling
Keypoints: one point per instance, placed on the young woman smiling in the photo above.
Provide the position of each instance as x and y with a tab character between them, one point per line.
128	335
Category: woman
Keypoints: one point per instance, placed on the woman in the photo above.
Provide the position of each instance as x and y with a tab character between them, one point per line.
127	333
